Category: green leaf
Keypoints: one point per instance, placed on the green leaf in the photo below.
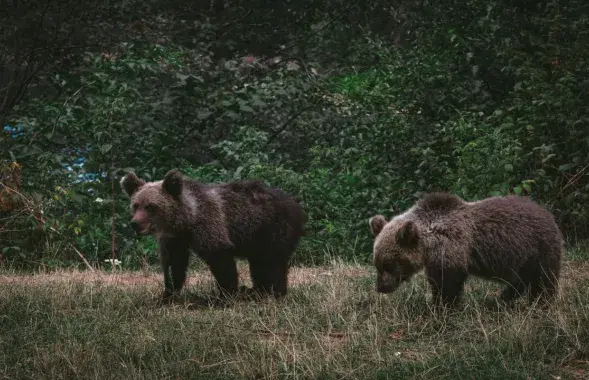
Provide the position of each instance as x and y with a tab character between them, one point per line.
517	190
246	108
232	115
569	200
105	148
202	115
351	179
260	103
237	173
566	167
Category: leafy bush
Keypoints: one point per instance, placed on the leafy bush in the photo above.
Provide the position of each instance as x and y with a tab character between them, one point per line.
352	112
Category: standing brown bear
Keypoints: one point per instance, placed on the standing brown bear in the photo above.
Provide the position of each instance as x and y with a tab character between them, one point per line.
221	222
510	239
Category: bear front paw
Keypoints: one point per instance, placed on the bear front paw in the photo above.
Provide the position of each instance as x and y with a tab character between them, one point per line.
167	297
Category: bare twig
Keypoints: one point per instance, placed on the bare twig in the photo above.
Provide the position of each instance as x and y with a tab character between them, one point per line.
290	120
41	221
233	22
112	184
210	117
573	179
81	256
66	102
315	32
52	48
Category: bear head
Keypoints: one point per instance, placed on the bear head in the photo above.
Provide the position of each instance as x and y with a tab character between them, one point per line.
156	207
396	255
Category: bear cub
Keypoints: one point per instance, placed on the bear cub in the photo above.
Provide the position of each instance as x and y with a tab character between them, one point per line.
220	222
510	239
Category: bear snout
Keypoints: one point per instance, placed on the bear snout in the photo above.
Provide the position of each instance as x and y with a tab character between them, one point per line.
385	283
381	289
385	288
134	225
139	228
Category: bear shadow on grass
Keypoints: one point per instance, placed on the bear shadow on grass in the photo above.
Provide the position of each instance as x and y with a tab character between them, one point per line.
415	301
209	299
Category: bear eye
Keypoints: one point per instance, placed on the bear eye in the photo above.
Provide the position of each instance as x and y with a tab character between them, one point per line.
390	267
150	208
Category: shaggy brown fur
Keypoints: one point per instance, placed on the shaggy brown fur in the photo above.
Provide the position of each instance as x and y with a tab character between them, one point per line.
509	239
221	222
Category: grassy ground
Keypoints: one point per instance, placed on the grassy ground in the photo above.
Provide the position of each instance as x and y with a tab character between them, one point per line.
332	325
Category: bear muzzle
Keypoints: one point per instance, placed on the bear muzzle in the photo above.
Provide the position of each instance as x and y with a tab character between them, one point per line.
385	283
140	229
385	288
388	283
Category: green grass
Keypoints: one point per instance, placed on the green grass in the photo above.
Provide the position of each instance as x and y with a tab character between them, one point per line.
332	325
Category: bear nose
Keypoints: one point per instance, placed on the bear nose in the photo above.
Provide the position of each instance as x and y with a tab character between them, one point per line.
134	225
383	289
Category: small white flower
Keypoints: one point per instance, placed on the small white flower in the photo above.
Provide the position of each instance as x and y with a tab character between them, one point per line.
116	261
397	354
99	200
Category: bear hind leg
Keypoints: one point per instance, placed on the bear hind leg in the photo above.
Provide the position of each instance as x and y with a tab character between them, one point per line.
545	284
513	291
280	282
520	285
269	276
282	254
261	275
282	266
224	270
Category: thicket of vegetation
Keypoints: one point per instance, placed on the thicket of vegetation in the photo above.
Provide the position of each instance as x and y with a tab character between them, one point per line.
357	107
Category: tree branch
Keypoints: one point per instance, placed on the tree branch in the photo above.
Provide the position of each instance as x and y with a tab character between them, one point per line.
290	120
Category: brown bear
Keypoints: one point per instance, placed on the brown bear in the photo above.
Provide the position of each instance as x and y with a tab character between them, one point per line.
510	239
221	222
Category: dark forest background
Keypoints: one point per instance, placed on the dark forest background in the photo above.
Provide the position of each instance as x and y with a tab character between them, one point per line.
356	107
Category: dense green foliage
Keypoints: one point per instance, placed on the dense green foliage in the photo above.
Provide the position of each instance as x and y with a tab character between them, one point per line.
356	108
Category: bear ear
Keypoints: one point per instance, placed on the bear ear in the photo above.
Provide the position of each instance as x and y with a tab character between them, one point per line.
377	223
173	183
131	183
408	235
